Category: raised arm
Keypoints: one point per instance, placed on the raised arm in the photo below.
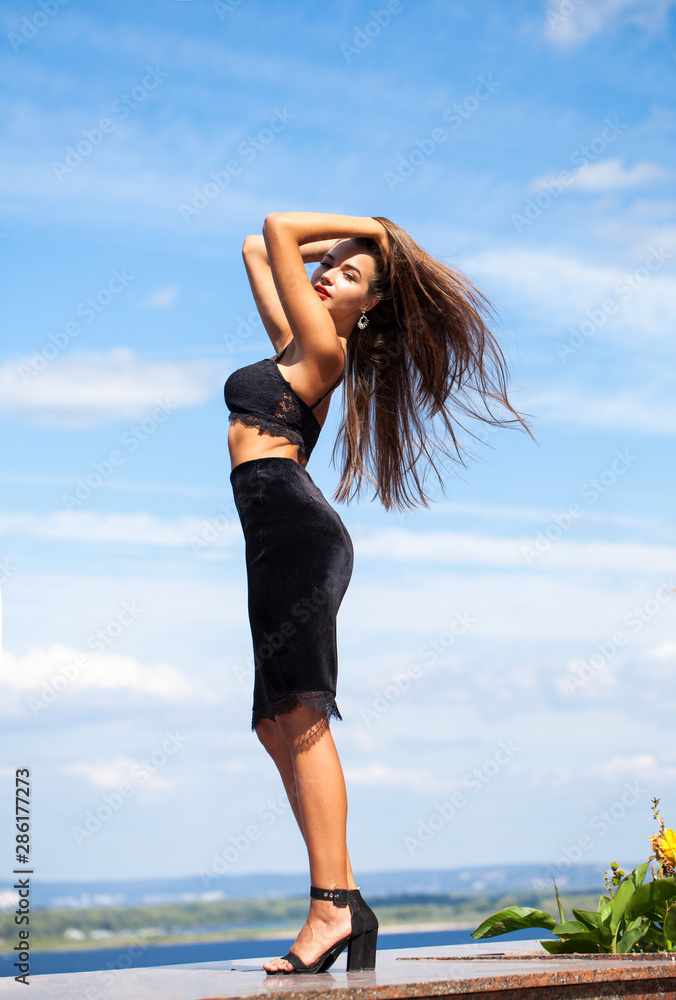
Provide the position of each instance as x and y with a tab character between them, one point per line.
263	287
284	234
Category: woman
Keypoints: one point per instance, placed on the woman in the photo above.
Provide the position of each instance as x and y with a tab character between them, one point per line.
405	333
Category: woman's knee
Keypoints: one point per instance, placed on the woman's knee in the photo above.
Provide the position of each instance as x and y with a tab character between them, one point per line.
302	729
269	735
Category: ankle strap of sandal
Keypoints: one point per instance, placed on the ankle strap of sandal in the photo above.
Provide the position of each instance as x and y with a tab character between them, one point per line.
337	896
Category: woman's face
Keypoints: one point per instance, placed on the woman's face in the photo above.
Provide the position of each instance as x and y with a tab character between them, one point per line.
342	280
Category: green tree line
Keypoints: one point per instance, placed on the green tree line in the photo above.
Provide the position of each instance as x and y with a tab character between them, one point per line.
248	917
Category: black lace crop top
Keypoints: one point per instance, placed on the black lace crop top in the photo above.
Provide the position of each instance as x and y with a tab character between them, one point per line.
258	395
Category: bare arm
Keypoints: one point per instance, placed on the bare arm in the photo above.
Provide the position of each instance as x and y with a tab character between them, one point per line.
263	287
284	234
310	252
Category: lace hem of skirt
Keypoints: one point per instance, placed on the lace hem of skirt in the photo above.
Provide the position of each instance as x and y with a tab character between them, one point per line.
319	701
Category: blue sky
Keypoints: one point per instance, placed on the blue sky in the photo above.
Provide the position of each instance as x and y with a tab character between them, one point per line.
507	656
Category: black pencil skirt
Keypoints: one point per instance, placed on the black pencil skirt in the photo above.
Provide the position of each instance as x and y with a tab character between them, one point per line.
299	559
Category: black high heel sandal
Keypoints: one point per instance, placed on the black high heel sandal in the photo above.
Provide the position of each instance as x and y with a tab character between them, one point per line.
354	941
361	951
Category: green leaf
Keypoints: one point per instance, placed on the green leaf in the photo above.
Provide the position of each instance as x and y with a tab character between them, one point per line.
590	918
513	918
558	901
630	884
654	940
600	931
605	903
650	895
637	930
571	947
639	874
670	925
571	928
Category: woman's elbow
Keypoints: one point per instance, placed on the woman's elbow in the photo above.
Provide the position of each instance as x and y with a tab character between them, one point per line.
273	222
253	245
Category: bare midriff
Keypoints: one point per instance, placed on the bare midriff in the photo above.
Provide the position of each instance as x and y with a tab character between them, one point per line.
246	443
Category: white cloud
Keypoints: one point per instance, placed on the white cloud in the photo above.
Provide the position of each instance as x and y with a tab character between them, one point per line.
83	390
609	175
666	651
452	548
645	410
126	485
644	223
63	670
393	545
499	514
161	298
122	770
107	774
381	775
641	765
557	291
141	528
575	22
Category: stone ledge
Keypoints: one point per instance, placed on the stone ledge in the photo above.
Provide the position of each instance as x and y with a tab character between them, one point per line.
513	970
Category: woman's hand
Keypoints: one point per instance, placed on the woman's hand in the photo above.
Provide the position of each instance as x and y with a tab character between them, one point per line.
382	238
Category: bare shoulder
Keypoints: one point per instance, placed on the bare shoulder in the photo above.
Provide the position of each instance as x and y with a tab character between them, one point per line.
319	364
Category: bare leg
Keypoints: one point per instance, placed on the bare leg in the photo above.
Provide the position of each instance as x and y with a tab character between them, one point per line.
270	736
318	789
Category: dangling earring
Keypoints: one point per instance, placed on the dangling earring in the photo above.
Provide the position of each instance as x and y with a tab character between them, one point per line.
363	320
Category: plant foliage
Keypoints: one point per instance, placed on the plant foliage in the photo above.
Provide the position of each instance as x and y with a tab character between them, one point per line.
635	916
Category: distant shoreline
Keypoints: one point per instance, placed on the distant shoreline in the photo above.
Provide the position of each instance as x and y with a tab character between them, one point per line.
426	928
122	941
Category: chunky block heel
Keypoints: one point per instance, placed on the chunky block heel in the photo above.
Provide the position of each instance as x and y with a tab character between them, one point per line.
361	951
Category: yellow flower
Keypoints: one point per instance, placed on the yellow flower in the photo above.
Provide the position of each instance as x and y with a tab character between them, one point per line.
668	845
664	846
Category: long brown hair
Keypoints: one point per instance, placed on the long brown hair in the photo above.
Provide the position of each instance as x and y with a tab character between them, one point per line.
425	350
